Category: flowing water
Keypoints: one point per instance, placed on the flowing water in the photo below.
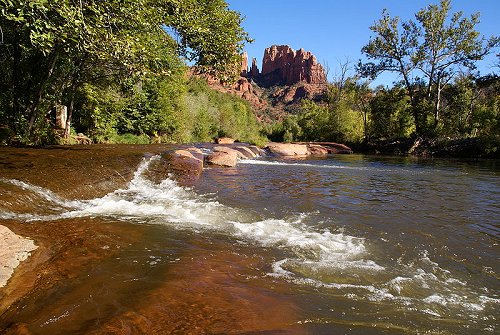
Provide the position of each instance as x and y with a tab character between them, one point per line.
345	244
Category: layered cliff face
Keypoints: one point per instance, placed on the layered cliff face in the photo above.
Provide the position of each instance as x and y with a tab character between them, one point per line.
287	77
283	65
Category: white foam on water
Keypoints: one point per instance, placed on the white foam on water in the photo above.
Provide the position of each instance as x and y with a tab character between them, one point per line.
168	203
322	246
281	163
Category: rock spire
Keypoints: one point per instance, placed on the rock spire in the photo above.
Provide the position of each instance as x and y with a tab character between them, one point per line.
283	65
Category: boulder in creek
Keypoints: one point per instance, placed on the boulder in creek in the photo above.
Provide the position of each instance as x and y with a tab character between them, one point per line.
224	140
183	164
82	139
288	149
256	150
239	154
196	152
245	151
223	158
317	150
335	148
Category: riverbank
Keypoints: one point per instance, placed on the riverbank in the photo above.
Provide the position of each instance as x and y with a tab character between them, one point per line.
479	147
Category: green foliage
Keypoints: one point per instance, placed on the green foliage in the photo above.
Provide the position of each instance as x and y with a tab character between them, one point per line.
472	107
391	117
215	114
338	120
288	130
129	139
427	54
111	62
211	35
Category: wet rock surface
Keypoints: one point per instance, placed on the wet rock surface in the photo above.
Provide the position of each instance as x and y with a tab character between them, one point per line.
13	250
183	164
223	158
288	149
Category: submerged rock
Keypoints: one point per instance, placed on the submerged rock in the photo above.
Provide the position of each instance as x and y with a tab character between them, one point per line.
256	150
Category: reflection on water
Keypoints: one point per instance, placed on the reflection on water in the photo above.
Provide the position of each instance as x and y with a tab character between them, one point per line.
346	243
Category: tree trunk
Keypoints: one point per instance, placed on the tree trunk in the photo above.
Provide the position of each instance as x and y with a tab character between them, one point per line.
71	107
16	76
413	104
416	117
74	85
365	126
33	108
437	105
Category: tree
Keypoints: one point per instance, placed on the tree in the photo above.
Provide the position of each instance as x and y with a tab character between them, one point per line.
427	52
390	117
447	47
210	35
50	49
394	48
363	95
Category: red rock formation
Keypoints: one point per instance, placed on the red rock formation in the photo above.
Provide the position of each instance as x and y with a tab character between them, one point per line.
244	64
284	66
254	70
294	93
295	75
244	89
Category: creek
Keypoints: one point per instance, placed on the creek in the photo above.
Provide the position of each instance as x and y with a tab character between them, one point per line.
342	244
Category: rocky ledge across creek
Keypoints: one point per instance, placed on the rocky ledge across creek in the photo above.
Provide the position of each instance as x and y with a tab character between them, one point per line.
301	149
188	163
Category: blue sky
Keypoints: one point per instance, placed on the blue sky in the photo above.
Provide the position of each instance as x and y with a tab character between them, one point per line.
337	30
